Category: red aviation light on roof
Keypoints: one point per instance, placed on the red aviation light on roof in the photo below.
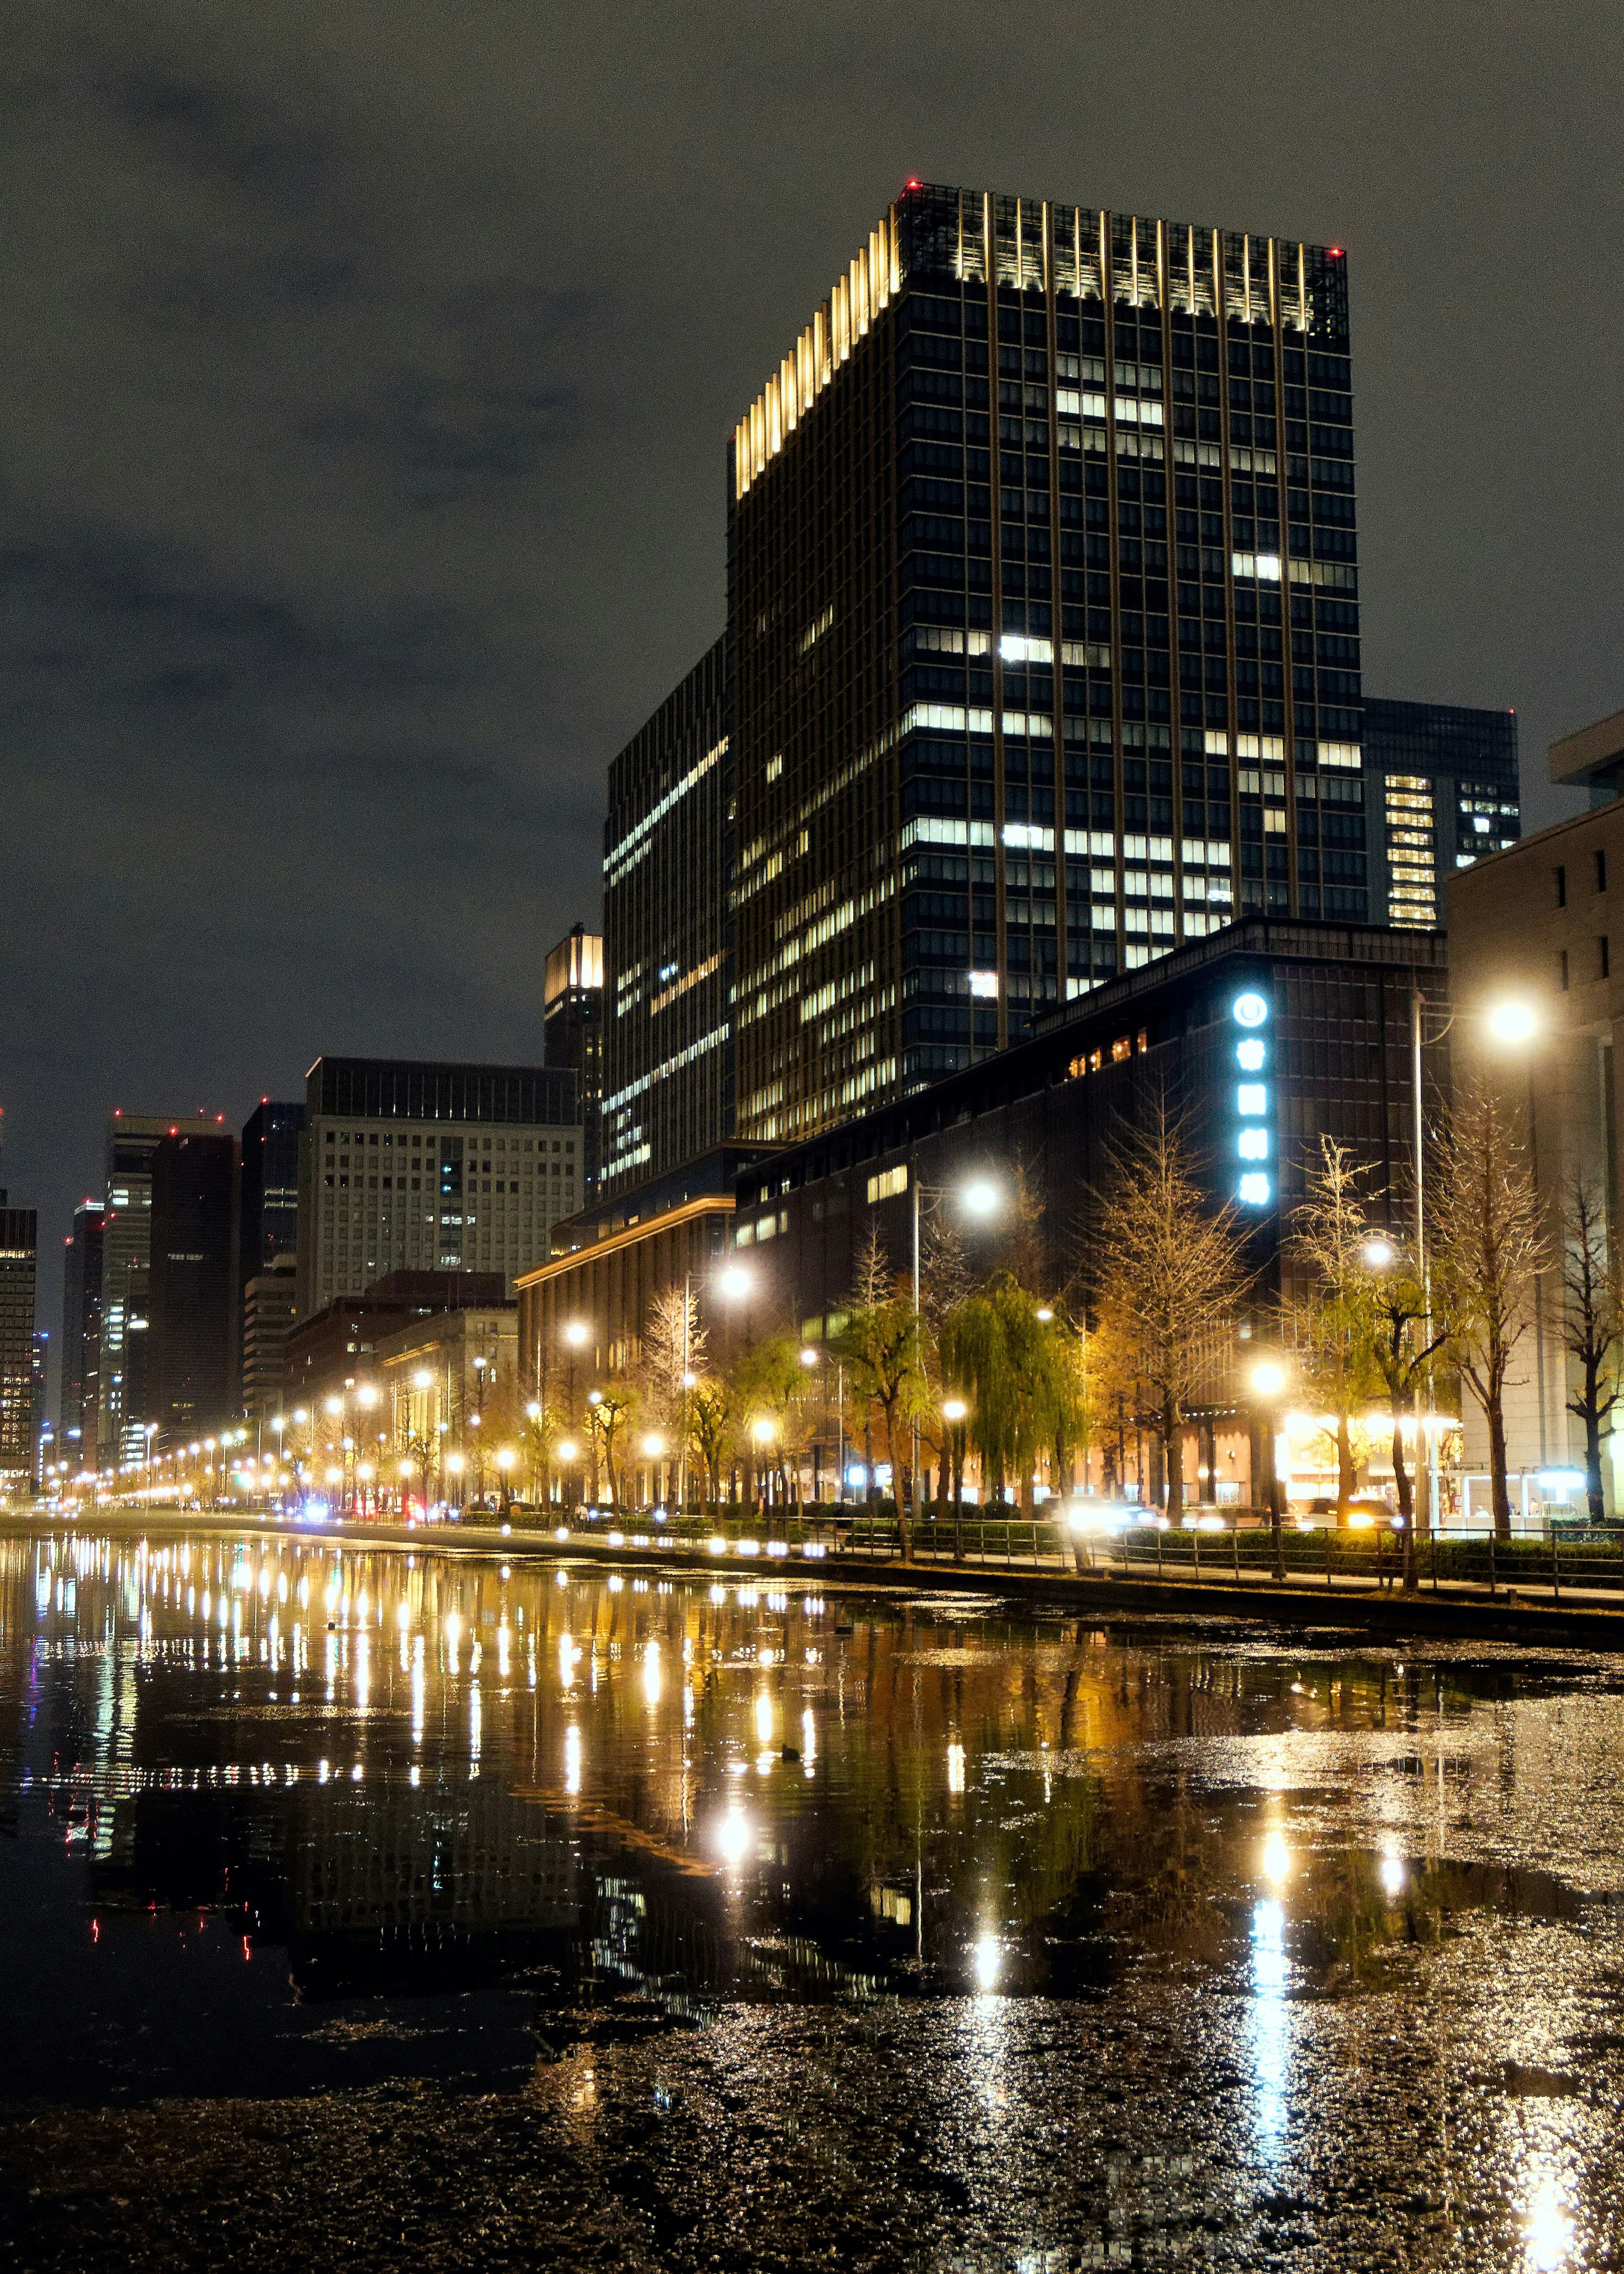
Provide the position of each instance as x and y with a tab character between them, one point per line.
913	183
1334	251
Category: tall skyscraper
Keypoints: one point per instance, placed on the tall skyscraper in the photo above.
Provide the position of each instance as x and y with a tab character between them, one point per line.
573	1032
270	1207
19	1240
405	1166
1441	790
81	1359
193	1322
668	1044
1044	617
131	1140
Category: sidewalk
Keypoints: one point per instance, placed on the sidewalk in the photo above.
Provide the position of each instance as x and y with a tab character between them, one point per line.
1586	1618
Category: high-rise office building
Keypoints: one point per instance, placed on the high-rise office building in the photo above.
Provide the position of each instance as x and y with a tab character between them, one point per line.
405	1166
270	1311
80	1358
131	1140
1441	790
573	1032
193	1322
668	1045
19	1239
270	1203
1044	615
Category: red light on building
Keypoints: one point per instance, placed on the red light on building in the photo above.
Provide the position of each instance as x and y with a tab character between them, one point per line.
1334	251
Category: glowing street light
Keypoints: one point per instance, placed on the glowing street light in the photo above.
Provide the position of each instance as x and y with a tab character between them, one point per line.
981	1198
1379	1252
1513	1022
575	1333
954	1410
733	1283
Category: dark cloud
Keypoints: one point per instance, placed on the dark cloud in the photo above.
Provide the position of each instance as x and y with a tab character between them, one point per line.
367	379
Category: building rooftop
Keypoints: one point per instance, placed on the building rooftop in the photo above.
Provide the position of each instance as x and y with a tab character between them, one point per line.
1591	759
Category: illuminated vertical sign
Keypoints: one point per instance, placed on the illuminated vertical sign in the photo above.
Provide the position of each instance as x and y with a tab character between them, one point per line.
1255	1184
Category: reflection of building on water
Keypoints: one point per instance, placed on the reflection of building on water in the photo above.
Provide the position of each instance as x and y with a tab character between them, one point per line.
446	1881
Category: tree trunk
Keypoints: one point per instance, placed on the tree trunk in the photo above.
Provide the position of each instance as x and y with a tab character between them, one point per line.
1592	1449
1347	1471
1173	1454
1406	1502
1499	1490
904	1530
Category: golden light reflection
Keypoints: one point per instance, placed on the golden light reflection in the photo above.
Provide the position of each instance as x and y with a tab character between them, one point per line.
955	1768
1276	1859
652	1673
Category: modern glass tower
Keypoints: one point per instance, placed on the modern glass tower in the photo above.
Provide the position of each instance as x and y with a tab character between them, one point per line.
1044	611
1442	789
667	1076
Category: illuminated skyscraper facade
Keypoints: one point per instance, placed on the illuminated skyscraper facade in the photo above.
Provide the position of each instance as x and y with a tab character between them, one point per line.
667	1078
1043	603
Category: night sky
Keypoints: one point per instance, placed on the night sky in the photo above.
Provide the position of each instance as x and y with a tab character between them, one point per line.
368	372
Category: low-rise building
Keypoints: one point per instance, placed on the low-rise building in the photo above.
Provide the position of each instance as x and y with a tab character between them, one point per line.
1534	925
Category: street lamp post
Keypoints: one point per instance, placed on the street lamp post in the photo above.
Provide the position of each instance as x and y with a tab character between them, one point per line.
1268	1379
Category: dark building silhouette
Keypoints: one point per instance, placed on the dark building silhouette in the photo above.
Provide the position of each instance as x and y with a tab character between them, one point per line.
19	1239
270	1210
193	1334
81	1359
1442	789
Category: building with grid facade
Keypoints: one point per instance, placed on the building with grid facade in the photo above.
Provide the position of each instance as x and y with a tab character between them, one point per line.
668	1041
1044	605
411	1167
1442	789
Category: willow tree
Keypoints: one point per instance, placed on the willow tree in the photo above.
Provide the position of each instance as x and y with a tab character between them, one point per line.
1488	1249
1332	1320
880	1347
1169	1275
1019	1376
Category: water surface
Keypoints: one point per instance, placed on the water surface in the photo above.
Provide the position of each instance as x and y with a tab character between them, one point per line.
1002	1938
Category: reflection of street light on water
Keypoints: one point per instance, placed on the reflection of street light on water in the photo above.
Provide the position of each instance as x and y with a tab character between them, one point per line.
733	1838
987	1962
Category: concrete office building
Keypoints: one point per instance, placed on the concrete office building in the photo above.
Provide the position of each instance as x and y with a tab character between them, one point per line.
411	1166
1533	923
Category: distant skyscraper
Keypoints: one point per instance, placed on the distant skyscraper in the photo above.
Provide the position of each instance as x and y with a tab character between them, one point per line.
132	1140
193	1321
270	1183
668	1046
1044	617
573	1032
19	1388
269	1311
80	1356
1441	790
416	1167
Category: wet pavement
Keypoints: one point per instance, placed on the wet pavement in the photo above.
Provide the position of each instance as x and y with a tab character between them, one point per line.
375	1910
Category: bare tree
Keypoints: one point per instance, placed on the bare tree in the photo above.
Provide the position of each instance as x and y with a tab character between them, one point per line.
1402	1351
1489	1245
1169	1276
675	1349
1332	1320
880	1346
1592	1325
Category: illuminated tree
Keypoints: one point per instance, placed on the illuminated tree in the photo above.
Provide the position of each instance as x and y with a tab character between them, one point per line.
1332	1323
1169	1276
